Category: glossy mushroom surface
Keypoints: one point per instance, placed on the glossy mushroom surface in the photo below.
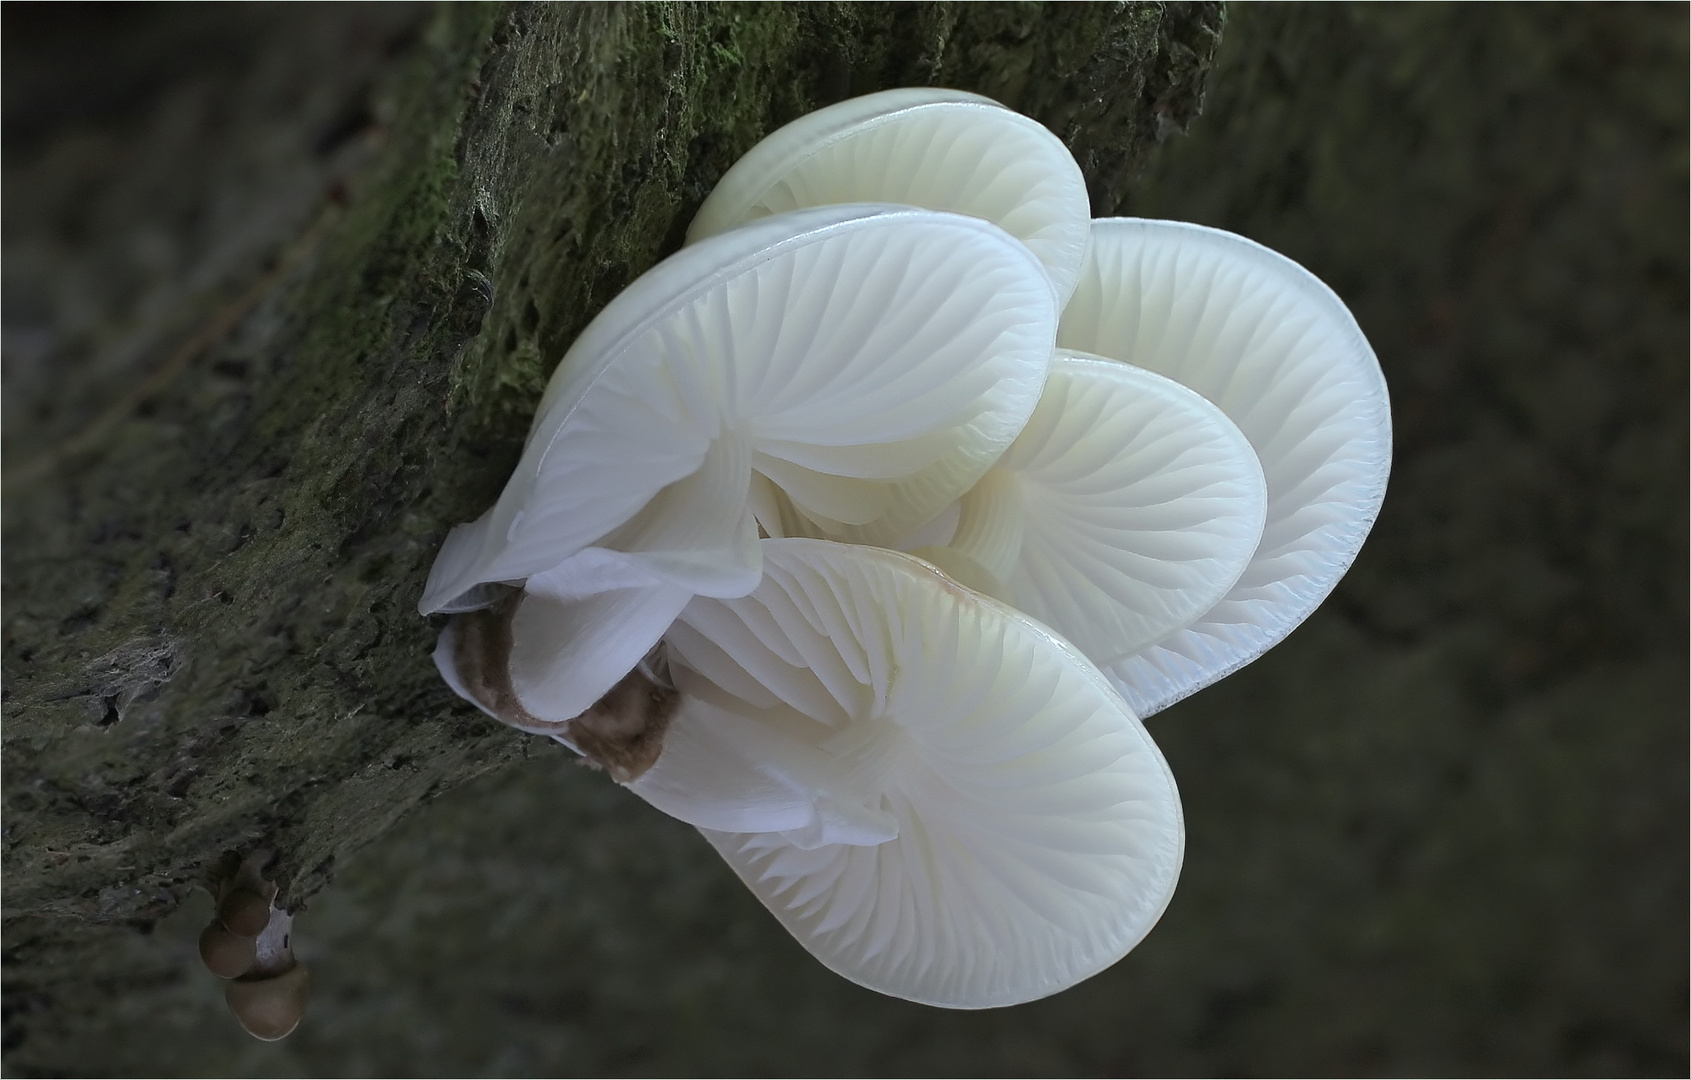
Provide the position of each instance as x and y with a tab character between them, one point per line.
225	953
858	367
1127	507
1281	355
244	911
270	1007
937	796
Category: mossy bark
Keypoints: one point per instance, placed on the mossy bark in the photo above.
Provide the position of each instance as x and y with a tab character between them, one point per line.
211	642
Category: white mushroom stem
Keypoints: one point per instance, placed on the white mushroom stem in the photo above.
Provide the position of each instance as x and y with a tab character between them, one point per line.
274	947
565	652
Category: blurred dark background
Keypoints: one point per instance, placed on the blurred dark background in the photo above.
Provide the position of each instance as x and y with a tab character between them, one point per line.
1442	830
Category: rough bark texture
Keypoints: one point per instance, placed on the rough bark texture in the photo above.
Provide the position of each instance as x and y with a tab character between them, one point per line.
279	302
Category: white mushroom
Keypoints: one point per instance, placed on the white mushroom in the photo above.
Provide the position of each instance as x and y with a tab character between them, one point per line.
859	367
937	796
942	798
1127	507
922	146
1265	340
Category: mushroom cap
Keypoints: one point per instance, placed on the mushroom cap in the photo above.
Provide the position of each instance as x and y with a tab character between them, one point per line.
1280	354
269	1008
924	146
862	365
1127	507
244	912
934	793
227	954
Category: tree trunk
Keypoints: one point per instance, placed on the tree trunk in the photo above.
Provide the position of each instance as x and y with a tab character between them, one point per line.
325	271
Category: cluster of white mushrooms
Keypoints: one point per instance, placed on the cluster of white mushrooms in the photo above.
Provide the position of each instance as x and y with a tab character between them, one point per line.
862	532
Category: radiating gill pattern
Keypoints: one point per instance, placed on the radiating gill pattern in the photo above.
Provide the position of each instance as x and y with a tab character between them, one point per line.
846	381
1126	508
1273	347
874	368
1038	830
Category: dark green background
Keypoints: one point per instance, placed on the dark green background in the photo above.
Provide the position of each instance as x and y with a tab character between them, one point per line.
1439	831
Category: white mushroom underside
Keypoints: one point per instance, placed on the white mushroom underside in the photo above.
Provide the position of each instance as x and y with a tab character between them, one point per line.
864	364
928	147
1281	355
966	813
1126	508
872	361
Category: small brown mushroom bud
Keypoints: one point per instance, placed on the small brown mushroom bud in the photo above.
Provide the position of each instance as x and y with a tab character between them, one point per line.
244	912
228	954
269	1007
251	945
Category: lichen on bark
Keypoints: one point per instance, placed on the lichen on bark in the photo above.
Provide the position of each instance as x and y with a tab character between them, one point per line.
211	571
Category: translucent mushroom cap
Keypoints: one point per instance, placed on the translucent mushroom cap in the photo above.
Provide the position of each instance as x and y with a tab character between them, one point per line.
937	796
923	146
1281	355
858	366
1127	508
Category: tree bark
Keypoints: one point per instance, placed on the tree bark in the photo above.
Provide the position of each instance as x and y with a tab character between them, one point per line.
223	496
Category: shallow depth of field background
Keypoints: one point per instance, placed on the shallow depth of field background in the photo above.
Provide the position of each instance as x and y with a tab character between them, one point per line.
1441	830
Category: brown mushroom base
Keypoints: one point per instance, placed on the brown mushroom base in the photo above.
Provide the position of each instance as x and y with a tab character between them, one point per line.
622	733
481	652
